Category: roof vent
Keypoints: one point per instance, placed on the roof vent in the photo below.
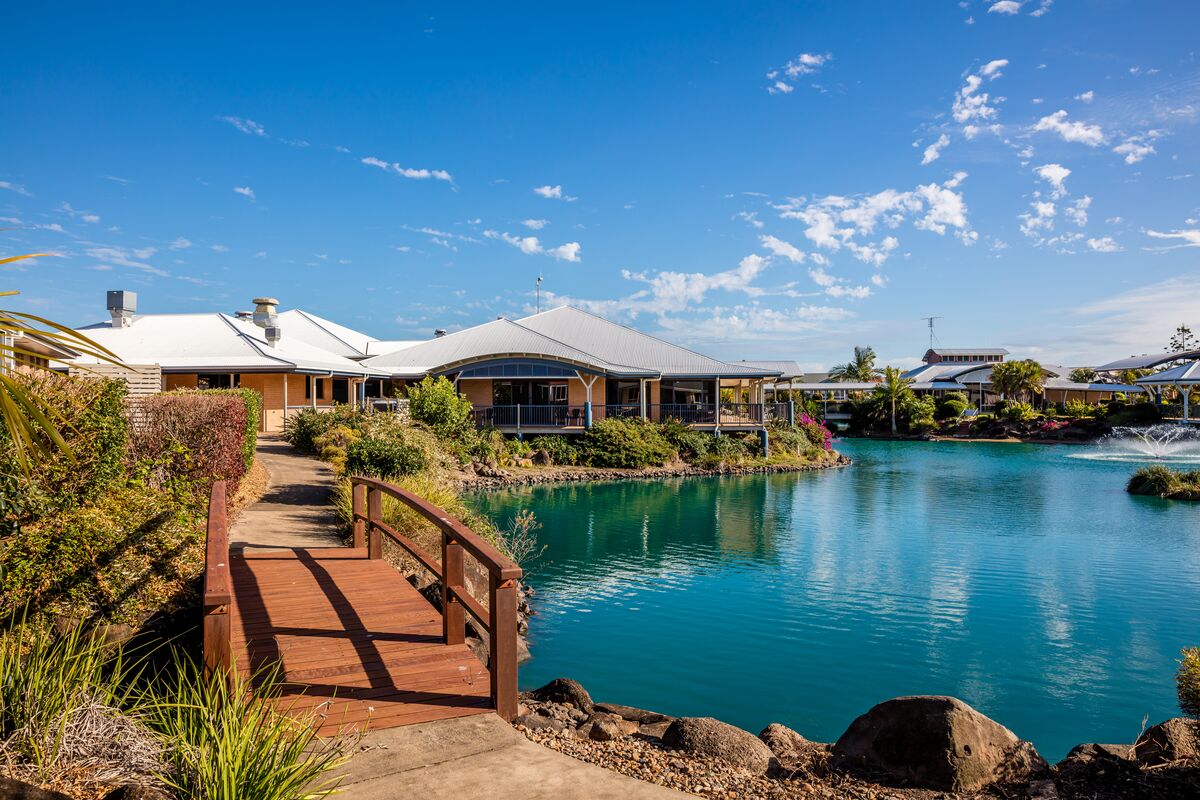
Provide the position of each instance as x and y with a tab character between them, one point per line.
122	305
264	311
439	333
246	315
274	333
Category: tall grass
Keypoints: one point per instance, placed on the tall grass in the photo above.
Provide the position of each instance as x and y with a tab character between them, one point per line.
1164	482
226	743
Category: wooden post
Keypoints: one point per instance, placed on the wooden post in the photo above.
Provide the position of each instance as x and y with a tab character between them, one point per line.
217	592
375	513
453	621
359	504
502	599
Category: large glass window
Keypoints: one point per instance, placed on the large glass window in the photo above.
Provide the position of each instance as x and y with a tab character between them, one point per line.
622	393
218	380
687	392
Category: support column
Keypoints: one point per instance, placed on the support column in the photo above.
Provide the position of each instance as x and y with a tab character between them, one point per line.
1187	391
765	439
642	395
285	403
717	406
791	412
312	390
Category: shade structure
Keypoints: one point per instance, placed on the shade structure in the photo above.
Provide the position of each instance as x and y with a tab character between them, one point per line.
1185	376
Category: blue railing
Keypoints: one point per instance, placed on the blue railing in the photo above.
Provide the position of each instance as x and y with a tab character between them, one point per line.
530	416
516	417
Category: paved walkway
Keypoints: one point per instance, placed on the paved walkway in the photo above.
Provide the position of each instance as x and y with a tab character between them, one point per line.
296	510
480	756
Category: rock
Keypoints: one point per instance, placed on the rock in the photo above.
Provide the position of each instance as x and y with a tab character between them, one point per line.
1091	761
565	690
536	722
654	729
936	743
1176	739
1042	790
793	750
133	791
705	736
604	728
633	714
542	458
17	790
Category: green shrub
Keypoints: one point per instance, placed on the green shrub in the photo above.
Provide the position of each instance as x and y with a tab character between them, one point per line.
730	449
1077	409
1132	414
383	457
518	448
789	441
435	402
302	428
630	443
1017	411
331	445
692	445
91	414
951	405
1187	682
559	448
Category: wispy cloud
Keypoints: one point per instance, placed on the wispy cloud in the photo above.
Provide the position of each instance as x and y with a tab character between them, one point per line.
247	126
1137	147
135	258
1187	238
180	244
784	249
244	191
976	110
74	213
531	245
15	187
1009	7
535	224
1105	244
1086	97
934	151
803	64
1069	130
409	172
553	193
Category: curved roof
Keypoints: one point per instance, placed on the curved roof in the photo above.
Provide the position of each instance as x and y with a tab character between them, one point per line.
1188	373
213	342
1147	361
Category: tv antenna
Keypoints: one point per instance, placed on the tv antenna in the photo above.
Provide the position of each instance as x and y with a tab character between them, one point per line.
537	287
930	321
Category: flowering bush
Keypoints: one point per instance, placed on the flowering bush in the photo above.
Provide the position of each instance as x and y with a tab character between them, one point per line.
815	430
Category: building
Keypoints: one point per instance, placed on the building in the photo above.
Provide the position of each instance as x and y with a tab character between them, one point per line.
219	351
970	355
562	369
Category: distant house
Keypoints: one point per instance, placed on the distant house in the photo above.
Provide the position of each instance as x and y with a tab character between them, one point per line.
217	351
969	355
564	368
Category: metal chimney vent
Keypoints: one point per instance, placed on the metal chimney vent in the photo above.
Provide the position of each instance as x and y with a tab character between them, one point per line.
274	333
264	311
246	315
122	305
439	333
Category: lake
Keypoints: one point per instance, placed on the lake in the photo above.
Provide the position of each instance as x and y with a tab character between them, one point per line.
1017	577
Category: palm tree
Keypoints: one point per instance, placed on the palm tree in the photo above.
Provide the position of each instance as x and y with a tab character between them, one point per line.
1083	375
893	390
32	429
860	368
1023	378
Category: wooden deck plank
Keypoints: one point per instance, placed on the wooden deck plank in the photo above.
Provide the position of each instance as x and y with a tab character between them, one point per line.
355	643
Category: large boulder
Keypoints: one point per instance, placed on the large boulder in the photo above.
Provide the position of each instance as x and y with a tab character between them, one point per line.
1089	762
11	789
1176	739
564	690
936	743
705	736
793	751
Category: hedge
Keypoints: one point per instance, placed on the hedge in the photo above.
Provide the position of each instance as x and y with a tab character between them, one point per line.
197	437
252	400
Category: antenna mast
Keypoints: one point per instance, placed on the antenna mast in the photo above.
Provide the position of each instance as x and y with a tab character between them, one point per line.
930	321
537	287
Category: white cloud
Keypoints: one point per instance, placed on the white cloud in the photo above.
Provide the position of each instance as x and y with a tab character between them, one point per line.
879	280
1086	97
1137	147
821	277
531	245
553	193
1143	71
852	292
1069	131
86	216
180	244
1189	238
535	224
934	151
245	125
803	64
1077	212
1043	9
244	191
1006	7
15	187
1041	219
134	258
1055	175
219	248
751	217
973	106
409	172
1104	245
781	248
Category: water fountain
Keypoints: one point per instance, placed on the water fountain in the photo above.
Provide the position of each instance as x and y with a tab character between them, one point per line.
1165	443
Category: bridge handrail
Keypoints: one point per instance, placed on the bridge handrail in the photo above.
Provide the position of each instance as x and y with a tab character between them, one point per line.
499	619
218	586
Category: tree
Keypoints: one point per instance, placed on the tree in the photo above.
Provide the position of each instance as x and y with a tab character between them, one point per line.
1018	379
438	404
860	368
893	391
34	430
1083	375
1183	339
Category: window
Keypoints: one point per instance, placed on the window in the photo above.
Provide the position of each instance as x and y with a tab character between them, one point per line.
341	390
218	380
622	393
308	384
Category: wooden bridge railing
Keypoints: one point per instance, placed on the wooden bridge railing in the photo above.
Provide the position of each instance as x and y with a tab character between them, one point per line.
499	619
218	588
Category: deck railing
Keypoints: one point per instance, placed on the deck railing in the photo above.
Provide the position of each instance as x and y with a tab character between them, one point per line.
499	619
531	416
516	417
217	587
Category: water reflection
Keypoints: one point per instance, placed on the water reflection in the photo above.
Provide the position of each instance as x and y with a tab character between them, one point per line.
1027	582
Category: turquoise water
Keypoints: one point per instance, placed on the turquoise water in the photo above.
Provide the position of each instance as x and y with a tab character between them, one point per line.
1016	577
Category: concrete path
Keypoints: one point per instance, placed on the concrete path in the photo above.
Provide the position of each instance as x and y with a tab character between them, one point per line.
480	756
296	510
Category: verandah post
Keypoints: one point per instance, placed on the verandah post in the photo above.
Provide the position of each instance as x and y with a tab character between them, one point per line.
791	412
453	619
502	600
587	414
358	503
374	514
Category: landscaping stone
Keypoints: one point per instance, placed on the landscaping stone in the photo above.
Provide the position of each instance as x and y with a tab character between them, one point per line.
791	749
133	791
18	790
632	714
705	736
605	729
564	690
936	743
1092	762
1176	739
536	722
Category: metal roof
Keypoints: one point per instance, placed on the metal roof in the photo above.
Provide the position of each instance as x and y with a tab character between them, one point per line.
213	343
493	340
323	333
838	386
1147	361
786	369
1187	374
619	344
968	351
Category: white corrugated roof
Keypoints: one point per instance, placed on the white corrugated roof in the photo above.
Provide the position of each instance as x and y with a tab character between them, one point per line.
619	344
1148	361
323	333
381	347
1188	373
213	342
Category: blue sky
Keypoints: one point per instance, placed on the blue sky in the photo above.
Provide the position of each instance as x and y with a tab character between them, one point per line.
786	180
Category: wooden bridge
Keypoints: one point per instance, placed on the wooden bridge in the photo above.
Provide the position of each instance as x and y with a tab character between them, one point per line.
353	641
